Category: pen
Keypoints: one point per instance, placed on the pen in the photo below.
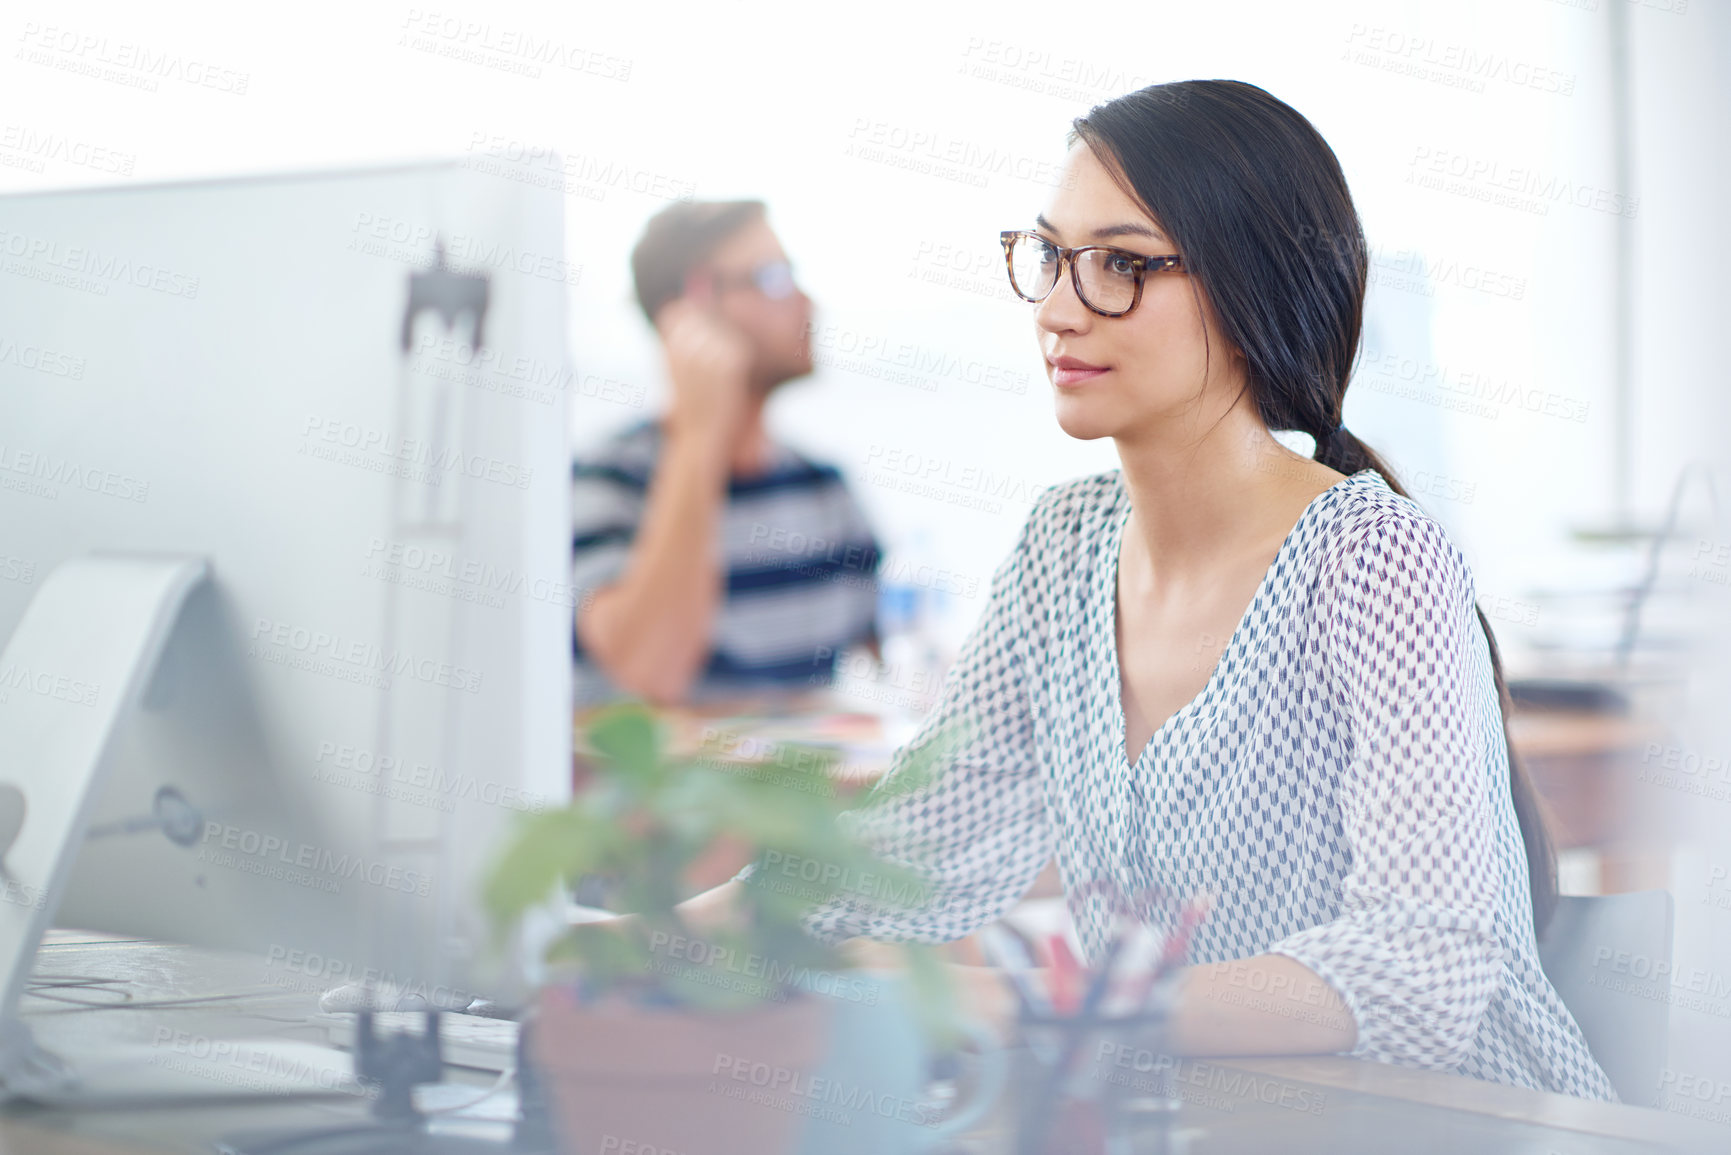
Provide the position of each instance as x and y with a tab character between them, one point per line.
1173	951
1078	1028
1011	956
1066	975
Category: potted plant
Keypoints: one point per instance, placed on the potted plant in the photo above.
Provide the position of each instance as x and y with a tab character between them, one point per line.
662	1036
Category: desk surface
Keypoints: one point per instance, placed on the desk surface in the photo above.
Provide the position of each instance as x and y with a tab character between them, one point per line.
1229	1105
751	729
155	971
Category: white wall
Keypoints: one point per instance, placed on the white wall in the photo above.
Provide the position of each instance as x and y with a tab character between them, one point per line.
1682	117
724	100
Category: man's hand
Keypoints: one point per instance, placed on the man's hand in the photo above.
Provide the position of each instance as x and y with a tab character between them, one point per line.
709	364
651	629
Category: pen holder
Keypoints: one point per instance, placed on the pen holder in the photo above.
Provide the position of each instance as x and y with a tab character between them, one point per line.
1095	1076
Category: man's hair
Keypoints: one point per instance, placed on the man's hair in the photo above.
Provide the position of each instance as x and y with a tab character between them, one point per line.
677	240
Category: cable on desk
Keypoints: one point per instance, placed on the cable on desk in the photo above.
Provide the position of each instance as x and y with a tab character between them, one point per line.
125	1003
43	986
295	1021
499	1084
40	985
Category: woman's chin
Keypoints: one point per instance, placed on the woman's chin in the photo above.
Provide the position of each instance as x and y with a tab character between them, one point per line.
1081	420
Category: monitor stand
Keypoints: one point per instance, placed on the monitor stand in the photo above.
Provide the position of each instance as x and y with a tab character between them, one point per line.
73	670
76	667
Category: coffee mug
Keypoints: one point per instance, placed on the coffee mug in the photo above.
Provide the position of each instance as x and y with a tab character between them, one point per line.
866	1096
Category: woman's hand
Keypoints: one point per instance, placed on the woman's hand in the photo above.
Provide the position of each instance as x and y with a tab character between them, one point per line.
715	908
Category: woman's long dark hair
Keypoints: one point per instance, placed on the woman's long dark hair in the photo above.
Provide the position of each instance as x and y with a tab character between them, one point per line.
1255	200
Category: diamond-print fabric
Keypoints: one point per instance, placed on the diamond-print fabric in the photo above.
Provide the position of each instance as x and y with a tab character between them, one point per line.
1340	784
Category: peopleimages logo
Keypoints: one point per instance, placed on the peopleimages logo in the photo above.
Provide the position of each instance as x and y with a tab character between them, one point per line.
934	152
326	971
849	350
409	243
1461	388
1515	186
467	579
122	61
579	174
41	359
1038	69
1205	1084
322	648
246	1067
37	147
347	443
359	768
60	687
268	854
1629	972
946	479
510	49
723	968
798	1092
1463	66
103	266
45	472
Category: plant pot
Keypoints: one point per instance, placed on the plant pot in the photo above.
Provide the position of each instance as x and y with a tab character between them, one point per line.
623	1079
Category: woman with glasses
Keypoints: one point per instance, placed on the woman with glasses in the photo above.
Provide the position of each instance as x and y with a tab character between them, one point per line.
1225	669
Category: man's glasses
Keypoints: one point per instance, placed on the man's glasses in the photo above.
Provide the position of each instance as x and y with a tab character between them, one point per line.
774	279
1106	280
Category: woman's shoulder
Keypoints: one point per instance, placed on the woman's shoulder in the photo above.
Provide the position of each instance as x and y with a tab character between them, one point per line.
1384	539
1062	540
1078	511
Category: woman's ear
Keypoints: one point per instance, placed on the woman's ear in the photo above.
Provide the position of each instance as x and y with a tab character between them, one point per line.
699	287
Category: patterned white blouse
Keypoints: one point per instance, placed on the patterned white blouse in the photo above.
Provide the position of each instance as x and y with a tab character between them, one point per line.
1340	784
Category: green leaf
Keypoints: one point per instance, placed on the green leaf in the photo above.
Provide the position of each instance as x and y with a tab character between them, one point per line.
629	739
549	849
647	817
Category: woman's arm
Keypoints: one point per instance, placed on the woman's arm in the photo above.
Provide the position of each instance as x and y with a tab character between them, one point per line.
1267	1005
1423	801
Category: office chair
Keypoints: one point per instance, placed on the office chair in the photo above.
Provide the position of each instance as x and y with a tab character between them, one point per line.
1609	957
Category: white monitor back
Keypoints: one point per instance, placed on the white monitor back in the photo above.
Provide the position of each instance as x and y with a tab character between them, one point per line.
375	683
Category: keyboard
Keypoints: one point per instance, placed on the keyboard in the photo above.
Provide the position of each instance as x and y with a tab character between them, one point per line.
131	1074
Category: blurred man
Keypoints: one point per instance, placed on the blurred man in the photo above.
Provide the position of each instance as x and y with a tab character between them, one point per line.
722	562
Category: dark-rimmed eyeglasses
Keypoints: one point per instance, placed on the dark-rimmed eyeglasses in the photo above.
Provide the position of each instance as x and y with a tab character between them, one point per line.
1107	280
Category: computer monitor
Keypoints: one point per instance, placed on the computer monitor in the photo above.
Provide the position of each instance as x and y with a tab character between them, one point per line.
284	568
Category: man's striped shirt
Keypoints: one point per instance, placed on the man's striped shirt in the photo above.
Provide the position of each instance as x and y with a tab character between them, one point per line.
800	559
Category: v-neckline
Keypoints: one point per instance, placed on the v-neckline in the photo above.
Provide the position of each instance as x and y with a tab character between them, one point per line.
1114	545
